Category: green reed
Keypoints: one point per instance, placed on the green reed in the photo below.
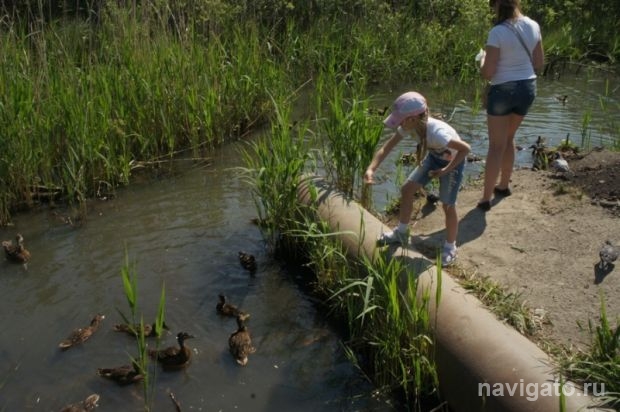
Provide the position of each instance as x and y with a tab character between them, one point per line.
130	287
274	167
88	103
390	322
347	132
601	363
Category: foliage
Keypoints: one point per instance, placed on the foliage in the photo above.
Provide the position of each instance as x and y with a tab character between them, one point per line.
600	365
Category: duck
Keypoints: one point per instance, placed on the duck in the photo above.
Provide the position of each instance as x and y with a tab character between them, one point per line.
248	261
86	405
407	159
122	375
149	330
173	357
562	99
80	335
16	252
608	254
240	341
226	309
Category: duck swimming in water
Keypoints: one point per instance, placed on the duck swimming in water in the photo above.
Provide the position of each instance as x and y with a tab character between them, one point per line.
173	357
240	341
248	261
224	308
122	375
149	330
80	335
86	405
16	252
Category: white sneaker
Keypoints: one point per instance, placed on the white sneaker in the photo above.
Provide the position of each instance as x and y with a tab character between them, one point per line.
448	256
394	237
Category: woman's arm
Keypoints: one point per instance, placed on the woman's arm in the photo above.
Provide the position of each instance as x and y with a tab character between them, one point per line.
489	64
538	57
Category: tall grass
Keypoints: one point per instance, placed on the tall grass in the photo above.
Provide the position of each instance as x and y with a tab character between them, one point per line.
83	104
601	364
390	323
347	132
274	167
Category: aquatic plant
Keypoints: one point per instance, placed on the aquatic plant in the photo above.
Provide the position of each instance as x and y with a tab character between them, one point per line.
129	279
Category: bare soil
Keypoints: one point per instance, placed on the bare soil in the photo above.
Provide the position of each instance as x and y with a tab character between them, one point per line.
543	242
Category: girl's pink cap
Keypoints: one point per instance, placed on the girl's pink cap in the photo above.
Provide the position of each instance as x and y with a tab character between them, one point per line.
407	104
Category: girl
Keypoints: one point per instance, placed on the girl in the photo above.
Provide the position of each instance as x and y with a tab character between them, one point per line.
444	160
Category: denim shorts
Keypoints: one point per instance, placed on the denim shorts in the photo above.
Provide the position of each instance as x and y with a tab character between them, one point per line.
449	184
514	97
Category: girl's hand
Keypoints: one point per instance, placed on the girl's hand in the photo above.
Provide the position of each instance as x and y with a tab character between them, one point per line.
369	177
437	173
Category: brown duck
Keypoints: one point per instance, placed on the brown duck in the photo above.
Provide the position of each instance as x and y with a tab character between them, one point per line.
248	261
174	357
149	330
123	375
86	405
16	252
226	309
240	342
80	335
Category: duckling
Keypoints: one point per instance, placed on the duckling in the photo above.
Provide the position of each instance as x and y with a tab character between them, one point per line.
149	330
86	405
562	99
407	159
608	254
122	375
226	309
80	335
248	261
240	342
16	252
173	357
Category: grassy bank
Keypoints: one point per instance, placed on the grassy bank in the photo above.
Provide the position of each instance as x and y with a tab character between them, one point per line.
88	95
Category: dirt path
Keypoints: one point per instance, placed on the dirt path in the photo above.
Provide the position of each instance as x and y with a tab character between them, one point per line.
543	242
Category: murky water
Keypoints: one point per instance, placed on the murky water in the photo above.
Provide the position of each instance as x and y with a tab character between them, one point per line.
186	231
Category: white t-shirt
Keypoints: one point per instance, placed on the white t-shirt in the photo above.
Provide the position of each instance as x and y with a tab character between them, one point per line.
514	62
438	134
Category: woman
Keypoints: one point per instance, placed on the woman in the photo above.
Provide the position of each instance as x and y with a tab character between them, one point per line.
513	54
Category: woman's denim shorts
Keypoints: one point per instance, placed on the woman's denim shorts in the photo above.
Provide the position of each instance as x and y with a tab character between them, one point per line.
511	97
449	184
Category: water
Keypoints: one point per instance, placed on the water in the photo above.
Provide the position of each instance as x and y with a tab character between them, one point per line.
186	231
589	115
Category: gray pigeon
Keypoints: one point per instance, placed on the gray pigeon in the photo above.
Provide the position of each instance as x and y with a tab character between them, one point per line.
608	254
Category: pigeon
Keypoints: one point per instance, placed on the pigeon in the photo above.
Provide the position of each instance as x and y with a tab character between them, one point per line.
608	254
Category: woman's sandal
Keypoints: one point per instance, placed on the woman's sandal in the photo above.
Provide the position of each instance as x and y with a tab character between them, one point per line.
502	192
484	206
